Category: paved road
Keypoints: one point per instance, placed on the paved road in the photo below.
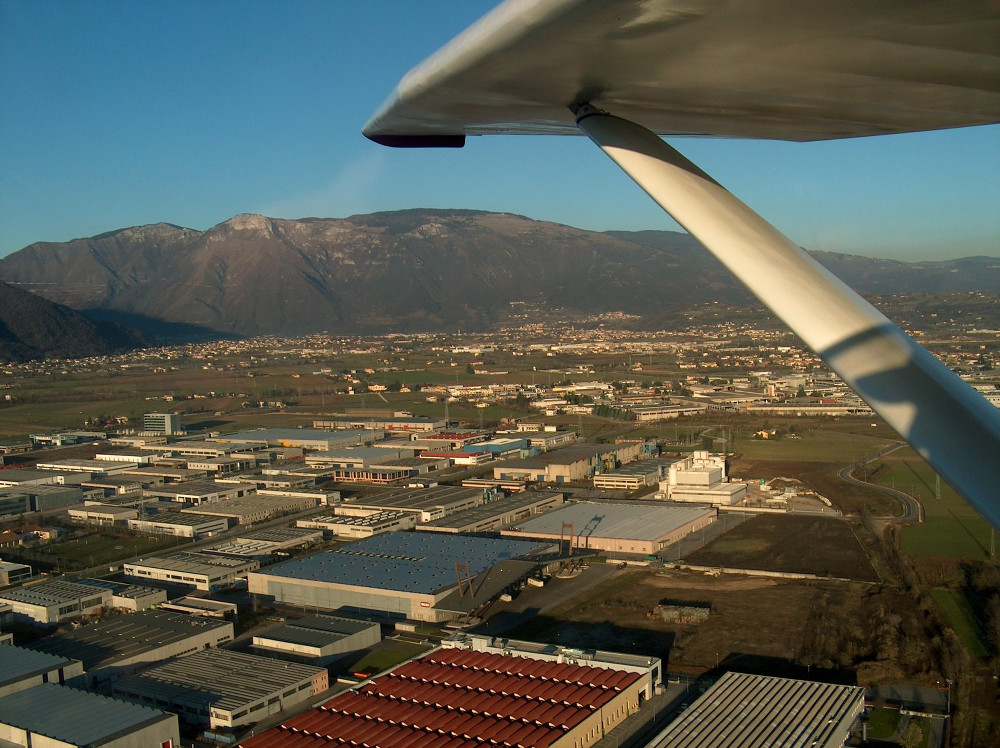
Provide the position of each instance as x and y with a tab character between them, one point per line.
913	512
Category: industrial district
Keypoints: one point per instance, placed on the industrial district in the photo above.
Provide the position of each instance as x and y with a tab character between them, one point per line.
372	576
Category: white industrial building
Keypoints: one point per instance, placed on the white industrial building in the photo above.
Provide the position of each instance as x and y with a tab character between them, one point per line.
205	571
257	508
195	493
97	513
13	573
362	525
180	525
167	424
641	529
701	478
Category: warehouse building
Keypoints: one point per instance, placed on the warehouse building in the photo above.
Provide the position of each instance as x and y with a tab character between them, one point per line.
615	528
123	644
91	468
13	573
55	600
180	525
196	493
266	544
130	597
634	476
382	423
753	710
22	668
496	514
318	639
252	509
222	689
569	464
23	477
429	503
503	697
356	457
205	571
397	575
314	439
54	716
202	606
362	526
97	513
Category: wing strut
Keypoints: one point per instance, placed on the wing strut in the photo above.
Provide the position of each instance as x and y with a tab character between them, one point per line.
950	424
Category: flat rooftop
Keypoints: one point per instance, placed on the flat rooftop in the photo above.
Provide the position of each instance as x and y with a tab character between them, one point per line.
404	561
273	436
75	717
624	521
192	562
197	488
417	499
53	592
123	637
756	711
642	467
484	512
220	678
178	518
315	631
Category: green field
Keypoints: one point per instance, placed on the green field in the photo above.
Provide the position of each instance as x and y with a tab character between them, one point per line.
961	618
951	528
814	446
882	723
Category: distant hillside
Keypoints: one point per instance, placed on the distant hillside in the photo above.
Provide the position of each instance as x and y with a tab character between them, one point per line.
32	327
413	270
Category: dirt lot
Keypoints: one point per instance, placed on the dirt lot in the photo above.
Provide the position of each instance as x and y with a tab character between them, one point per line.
790	543
753	620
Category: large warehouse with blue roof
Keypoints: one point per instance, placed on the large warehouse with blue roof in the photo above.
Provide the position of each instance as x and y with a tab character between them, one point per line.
398	575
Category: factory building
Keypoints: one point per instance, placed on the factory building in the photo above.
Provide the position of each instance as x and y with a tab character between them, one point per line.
130	597
314	439
632	477
124	644
318	639
13	573
356	457
362	526
382	423
502	693
91	467
22	668
569	464
701	477
222	689
615	528
195	493
397	575
55	600
752	710
36	497
265	544
252	509
205	571
180	525
496	514
54	716
429	503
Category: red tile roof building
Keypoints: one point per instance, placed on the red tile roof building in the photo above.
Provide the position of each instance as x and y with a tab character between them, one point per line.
456	697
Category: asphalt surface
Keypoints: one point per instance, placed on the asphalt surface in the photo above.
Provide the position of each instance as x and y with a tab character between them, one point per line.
913	512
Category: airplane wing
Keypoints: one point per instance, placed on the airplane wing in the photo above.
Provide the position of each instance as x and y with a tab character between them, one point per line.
625	72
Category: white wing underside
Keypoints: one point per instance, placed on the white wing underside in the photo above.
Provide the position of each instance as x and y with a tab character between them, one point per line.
780	69
798	70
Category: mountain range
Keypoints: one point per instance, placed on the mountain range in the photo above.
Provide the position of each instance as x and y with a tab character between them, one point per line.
405	271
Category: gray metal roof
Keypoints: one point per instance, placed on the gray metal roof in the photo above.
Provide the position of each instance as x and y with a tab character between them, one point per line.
220	678
18	663
417	499
122	637
756	711
315	631
53	592
75	717
404	561
498	508
626	521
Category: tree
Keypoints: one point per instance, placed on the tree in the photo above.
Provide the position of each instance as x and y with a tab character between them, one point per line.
912	735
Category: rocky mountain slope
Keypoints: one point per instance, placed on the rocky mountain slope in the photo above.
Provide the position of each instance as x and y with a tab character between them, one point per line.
414	270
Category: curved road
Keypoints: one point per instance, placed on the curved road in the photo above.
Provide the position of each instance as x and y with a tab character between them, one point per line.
913	512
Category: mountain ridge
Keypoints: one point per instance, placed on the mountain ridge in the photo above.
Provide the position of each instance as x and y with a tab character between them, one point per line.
416	270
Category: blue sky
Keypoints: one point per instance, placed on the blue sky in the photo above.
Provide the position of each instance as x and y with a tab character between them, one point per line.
116	114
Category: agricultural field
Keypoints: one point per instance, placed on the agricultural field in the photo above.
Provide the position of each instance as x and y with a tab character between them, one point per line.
790	543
